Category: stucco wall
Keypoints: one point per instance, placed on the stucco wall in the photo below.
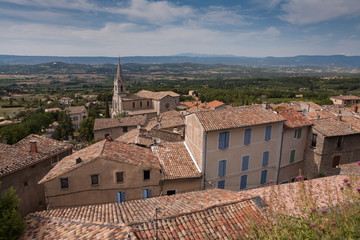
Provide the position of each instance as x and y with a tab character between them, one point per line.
167	101
236	150
25	183
128	105
194	135
81	192
182	186
113	132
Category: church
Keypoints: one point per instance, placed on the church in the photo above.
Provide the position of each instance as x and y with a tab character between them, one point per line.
144	102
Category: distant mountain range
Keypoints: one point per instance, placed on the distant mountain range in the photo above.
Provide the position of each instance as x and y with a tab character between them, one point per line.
337	60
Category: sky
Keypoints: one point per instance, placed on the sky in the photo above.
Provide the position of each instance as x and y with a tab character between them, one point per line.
113	28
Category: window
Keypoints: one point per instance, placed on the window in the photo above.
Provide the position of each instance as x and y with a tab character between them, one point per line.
64	183
297	133
106	135
221	184
339	142
119	177
268	133
140	104
222	168
94	180
121	88
167	105
245	163
76	126
125	129
247	137
146	174
133	104
313	140
146	193
84	117
148	103
170	192
292	156
120	197
75	118
265	160
336	161
224	140
243	182
263	176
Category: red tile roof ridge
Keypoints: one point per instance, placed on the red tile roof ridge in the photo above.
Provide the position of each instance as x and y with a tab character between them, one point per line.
198	210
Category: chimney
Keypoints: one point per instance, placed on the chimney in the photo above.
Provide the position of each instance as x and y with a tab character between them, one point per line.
265	105
339	117
109	139
33	146
355	108
78	160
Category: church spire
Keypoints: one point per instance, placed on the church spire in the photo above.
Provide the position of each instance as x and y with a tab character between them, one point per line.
119	82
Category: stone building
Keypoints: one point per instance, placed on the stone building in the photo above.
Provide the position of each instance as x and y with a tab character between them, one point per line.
332	142
77	114
144	102
105	172
23	164
294	139
345	100
237	148
115	127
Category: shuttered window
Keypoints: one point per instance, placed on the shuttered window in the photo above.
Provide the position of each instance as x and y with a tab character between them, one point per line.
265	160
224	140
243	182
247	137
221	184
263	176
146	193
222	168
268	133
245	163
120	197
292	156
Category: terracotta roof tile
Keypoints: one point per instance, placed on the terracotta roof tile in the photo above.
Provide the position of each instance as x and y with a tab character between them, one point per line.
285	197
176	161
237	117
350	169
114	150
75	109
331	127
103	123
18	156
294	119
155	95
215	104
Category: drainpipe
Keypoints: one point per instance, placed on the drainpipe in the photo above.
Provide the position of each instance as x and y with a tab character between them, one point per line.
277	169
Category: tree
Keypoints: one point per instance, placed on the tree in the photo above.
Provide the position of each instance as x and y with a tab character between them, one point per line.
65	128
11	223
86	129
107	111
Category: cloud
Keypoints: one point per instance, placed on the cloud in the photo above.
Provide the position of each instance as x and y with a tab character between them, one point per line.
272	31
314	11
217	16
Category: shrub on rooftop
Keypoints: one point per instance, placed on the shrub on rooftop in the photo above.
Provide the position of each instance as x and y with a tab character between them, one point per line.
336	220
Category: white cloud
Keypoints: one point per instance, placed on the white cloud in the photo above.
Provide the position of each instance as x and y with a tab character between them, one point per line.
272	31
314	11
216	16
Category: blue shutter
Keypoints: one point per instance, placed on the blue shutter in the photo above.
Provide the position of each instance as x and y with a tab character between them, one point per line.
245	163
144	194
247	137
268	133
265	160
221	184
243	182
292	156
226	142
222	168
122	196
263	176
221	140
149	193
118	197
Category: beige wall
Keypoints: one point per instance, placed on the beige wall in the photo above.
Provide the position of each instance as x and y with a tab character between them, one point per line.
128	105
79	116
236	150
194	138
25	183
291	171
81	192
114	132
182	186
165	104
291	143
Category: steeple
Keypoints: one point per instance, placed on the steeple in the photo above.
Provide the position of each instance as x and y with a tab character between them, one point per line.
119	82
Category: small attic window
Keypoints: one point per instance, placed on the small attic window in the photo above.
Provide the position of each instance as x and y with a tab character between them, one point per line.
78	160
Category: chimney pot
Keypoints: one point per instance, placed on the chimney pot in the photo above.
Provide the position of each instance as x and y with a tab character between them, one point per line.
78	160
33	146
